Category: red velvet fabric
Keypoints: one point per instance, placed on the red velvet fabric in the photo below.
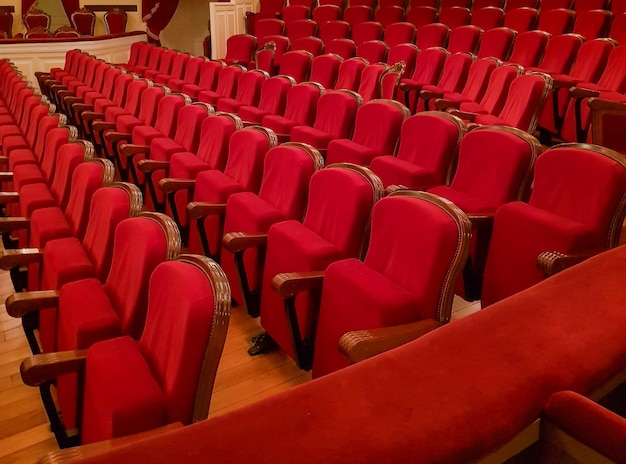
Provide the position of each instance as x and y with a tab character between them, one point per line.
297	64
421	15
403	52
559	54
497	43
226	86
325	69
496	93
592	24
521	19
325	13
209	72
529	48
366	32
349	76
273	100
454	16
191	74
248	92
333	30
556	21
300	110
345	48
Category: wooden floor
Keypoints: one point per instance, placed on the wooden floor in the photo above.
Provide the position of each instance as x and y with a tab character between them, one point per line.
25	436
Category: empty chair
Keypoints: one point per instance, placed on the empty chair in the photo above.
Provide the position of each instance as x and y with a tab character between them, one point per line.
429	143
548	5
488	17
6	23
301	28
557	21
324	13
332	30
164	66
240	49
296	64
300	108
269	11
358	14
339	206
592	24
408	274
454	16
270	53
580	6
313	45
345	48
514	4
521	19
325	69
376	133
293	13
529	48
428	68
273	99
583	214
387	15
35	18
477	4
406	53
559	54
115	20
191	74
209	76
399	33
432	35
226	85
464	39
607	118
84	21
618	28
497	42
366	31
177	71
350	71
248	92
374	51
453	78
421	15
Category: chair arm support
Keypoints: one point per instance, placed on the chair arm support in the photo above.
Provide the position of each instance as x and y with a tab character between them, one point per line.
70	100
148	165
363	344
170	185
92	115
6	176
463	115
430	94
442	104
480	221
236	242
20	257
39	369
11	224
408	87
577	92
20	304
80	107
553	262
4	160
282	138
563	83
289	284
130	150
100	126
199	210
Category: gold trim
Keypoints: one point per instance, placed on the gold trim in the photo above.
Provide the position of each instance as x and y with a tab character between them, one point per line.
210	110
316	156
108	170
272	138
548	84
134	195
171	231
236	120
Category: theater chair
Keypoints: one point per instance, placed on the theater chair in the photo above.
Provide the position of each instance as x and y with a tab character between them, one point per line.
345	48
432	35
209	77
388	15
592	24
270	52
355	14
243	173
176	71
559	54
296	64
248	217
191	74
577	429
313	45
454	16
268	27
349	76
521	19
406	53
488	17
464	39
115	20
324	13
399	33
376	132
453	78
408	274
367	31
226	85
618	27
240	49
421	15
164	66
248	92
332	30
6	23
325	70
497	42
495	166
336	226
268	9
374	51
370	87
293	13
556	21
300	28
35	18
104	83
300	109
273	100
607	118
429	144
84	21
428	68
568	213
529	48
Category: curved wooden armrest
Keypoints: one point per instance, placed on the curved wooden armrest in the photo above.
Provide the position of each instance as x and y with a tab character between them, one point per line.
111	136
20	304
463	115
442	104
430	94
407	87
80	107
70	100
39	369
289	284
11	224
92	115
147	165
130	150
282	138
169	185
363	344
236	242
21	257
480	220
563	83
199	210
68	455
577	92
6	176
552	262
56	86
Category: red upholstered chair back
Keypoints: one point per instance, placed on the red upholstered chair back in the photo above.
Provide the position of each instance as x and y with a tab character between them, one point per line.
301	28
614	74
350	71
191	70
399	33
560	53
140	245
41	120
215	138
432	35
120	89
292	13
179	65
454	16
274	93
387	15
406	53
374	51
592	24
38	33
339	206
324	13
366	31
429	65
556	21
134	96
6	23
390	80
332	30
286	174
167	113
567	183
249	87
325	69
190	118
529	47
358	14
36	18
421	15
345	48
115	20
246	155
108	82
464	39
338	3
488	17
296	64
514	4
46	124
227	82
209	74
591	60
455	72
370	86
53	142
302	102
144	54
378	125
240	49
265	27
154	57
84	21
525	101
165	64
498	87
69	156
521	19
109	206
313	45
336	113
497	43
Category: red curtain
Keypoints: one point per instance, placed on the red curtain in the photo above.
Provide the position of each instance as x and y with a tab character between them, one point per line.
70	6
157	14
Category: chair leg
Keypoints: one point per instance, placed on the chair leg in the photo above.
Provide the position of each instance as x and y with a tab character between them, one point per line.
56	424
303	347
30	322
252	298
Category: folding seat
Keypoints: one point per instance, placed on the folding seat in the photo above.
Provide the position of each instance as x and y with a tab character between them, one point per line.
336	113
325	69
240	49
269	26
557	21
268	9
84	21
177	71
244	170
248	92
432	35
191	74
559	54
212	153
209	76
358	14
226	85
428	68
164	67
345	48
421	16
350	71
576	207
521	19
115	19
273	99
607	119
325	13
514	4
429	144
497	42
374	51
292	13
296	64
548	5
613	79
495	166
529	48
404	52
301	28
388	15
454	16
618	28
464	39
590	61
376	133
366	31
160	150
488	17
282	197
332	30
400	280
370	87
453	78
300	109
154	58
592	24
335	227
399	33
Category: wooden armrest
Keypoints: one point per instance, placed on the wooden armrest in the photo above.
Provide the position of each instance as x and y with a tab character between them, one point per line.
406	87
11	224
282	138
169	185
552	262
463	115
199	210
9	197
236	242
4	160
6	176
363	344
76	453
21	257
442	104
130	150
80	107
430	94
20	304
70	100
92	115
563	83
39	369
577	92
100	126
480	220
289	284
56	86
148	165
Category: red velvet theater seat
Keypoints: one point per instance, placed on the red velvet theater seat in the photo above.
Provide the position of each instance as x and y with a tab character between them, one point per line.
284	190
325	13
374	51
577	205
407	53
432	35
607	117
240	49
529	48
325	69
497	42
364	32
191	74
226	85
408	274
592	24
273	100
349	76
521	19
248	92
209	75
300	109
488	17
345	48
371	81
399	33
559	54
115	20
453	78
464	39
335	227
428	69
421	15
454	16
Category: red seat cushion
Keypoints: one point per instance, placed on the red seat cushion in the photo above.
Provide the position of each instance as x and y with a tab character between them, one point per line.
347	151
394	171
